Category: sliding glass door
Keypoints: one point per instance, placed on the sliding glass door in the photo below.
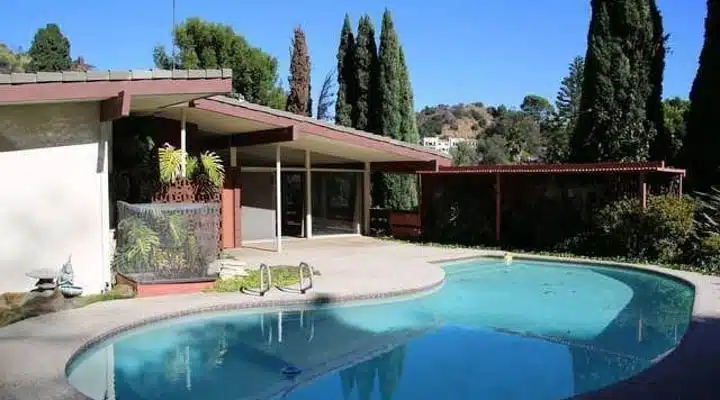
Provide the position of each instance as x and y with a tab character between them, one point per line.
336	202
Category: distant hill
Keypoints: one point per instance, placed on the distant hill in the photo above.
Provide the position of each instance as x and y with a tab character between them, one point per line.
459	120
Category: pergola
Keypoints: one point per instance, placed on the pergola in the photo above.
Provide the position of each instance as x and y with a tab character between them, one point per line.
644	178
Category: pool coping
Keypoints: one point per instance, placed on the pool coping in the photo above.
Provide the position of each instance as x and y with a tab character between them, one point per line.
270	304
705	305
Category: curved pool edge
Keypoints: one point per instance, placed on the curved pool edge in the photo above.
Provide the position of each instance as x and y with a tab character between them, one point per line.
270	304
45	375
687	371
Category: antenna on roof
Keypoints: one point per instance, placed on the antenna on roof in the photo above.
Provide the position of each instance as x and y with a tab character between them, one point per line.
172	35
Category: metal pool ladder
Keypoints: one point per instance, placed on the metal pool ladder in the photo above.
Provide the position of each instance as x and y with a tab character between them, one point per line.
264	271
302	269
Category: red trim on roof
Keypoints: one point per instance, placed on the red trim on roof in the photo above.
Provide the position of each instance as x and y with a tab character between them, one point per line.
361	140
652	166
100	90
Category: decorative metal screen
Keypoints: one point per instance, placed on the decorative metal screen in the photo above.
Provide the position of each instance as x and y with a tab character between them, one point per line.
158	241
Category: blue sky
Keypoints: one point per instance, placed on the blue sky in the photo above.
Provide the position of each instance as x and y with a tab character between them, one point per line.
492	51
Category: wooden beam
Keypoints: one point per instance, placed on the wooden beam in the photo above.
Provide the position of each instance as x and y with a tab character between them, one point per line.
643	191
410	167
269	136
115	107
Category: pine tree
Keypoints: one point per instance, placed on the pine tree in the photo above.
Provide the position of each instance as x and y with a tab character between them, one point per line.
347	85
50	51
299	96
567	102
621	109
365	115
700	152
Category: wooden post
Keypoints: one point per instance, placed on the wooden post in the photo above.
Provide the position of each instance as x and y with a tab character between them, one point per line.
308	195
680	185
366	199
183	144
278	201
498	211
643	191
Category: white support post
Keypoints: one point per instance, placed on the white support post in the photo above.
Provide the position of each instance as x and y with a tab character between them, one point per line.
366	199
233	157
183	145
278	202
308	195
106	210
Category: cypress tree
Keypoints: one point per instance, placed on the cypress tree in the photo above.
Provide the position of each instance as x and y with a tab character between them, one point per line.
347	86
49	51
397	117
365	115
700	151
389	88
621	108
299	96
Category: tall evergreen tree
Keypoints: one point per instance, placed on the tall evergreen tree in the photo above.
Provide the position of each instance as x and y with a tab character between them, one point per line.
397	117
50	51
700	152
389	107
567	102
347	85
621	108
298	101
408	119
366	76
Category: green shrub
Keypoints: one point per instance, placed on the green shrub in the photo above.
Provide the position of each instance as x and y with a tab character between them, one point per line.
658	233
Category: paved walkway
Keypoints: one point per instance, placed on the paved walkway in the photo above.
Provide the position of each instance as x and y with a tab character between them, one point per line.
35	352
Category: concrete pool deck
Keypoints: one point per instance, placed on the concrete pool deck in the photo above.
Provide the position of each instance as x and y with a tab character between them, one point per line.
34	353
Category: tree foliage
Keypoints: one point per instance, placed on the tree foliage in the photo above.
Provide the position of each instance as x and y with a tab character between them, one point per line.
298	101
396	116
325	100
567	102
521	136
49	51
346	79
675	111
366	77
621	95
464	154
12	61
700	152
537	107
204	44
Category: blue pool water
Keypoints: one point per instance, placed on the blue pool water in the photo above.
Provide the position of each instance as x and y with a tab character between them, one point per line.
529	330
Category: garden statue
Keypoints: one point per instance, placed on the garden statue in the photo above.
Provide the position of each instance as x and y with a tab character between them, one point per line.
65	281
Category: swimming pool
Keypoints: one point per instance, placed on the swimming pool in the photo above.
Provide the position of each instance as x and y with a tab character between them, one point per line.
493	331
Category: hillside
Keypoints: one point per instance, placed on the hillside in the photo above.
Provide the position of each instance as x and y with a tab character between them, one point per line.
459	120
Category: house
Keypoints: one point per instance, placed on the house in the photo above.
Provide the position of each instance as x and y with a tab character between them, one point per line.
286	175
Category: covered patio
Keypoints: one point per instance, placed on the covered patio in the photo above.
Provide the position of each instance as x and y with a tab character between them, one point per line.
288	176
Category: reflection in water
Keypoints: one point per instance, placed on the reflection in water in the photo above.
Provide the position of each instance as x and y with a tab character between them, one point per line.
387	368
494	331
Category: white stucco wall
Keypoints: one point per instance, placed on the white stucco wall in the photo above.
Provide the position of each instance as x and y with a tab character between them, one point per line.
53	204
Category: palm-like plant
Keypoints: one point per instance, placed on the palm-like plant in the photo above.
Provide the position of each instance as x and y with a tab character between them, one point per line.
208	164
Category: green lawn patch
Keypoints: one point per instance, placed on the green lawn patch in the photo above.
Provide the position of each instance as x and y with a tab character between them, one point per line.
282	275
